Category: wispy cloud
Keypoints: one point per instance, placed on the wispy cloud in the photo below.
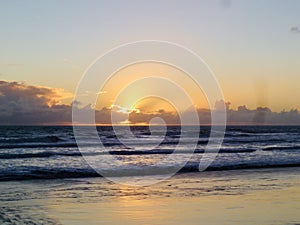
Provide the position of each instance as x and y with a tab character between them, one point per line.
225	3
102	92
295	29
12	64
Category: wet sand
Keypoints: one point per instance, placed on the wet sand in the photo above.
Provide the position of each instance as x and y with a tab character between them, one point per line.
264	196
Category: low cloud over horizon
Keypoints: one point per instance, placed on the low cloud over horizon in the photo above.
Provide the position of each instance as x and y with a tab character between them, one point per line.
22	104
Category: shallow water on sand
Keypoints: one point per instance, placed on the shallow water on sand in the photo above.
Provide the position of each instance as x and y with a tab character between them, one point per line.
264	196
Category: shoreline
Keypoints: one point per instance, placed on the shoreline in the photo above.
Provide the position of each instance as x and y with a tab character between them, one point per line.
257	196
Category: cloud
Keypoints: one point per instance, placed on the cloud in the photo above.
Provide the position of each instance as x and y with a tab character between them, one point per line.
144	118
102	92
22	104
26	104
221	105
295	29
12	64
241	116
262	116
225	3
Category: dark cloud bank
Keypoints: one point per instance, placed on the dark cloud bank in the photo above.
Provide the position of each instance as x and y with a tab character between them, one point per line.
22	104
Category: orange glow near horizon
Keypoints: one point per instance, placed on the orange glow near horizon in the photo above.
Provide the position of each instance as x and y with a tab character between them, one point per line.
127	77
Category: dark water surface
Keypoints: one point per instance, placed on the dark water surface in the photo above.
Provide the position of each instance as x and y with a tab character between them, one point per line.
43	152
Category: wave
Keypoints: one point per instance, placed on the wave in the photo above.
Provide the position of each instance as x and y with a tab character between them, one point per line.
170	151
274	148
272	140
234	134
58	145
116	143
38	145
242	166
41	173
37	155
63	173
47	154
43	139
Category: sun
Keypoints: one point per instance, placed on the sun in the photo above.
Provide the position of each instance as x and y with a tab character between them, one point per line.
122	109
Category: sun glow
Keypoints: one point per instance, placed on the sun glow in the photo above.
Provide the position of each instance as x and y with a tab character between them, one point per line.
121	89
122	109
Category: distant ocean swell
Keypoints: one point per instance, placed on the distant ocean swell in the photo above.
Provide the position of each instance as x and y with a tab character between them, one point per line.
52	152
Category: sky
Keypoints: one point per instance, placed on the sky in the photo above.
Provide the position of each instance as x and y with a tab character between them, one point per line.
252	46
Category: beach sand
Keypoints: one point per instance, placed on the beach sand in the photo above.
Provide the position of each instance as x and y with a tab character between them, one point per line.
261	196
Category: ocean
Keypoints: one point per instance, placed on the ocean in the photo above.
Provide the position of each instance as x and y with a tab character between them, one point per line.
254	179
50	152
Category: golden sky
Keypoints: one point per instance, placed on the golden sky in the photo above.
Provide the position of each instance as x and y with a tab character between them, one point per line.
252	47
130	86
